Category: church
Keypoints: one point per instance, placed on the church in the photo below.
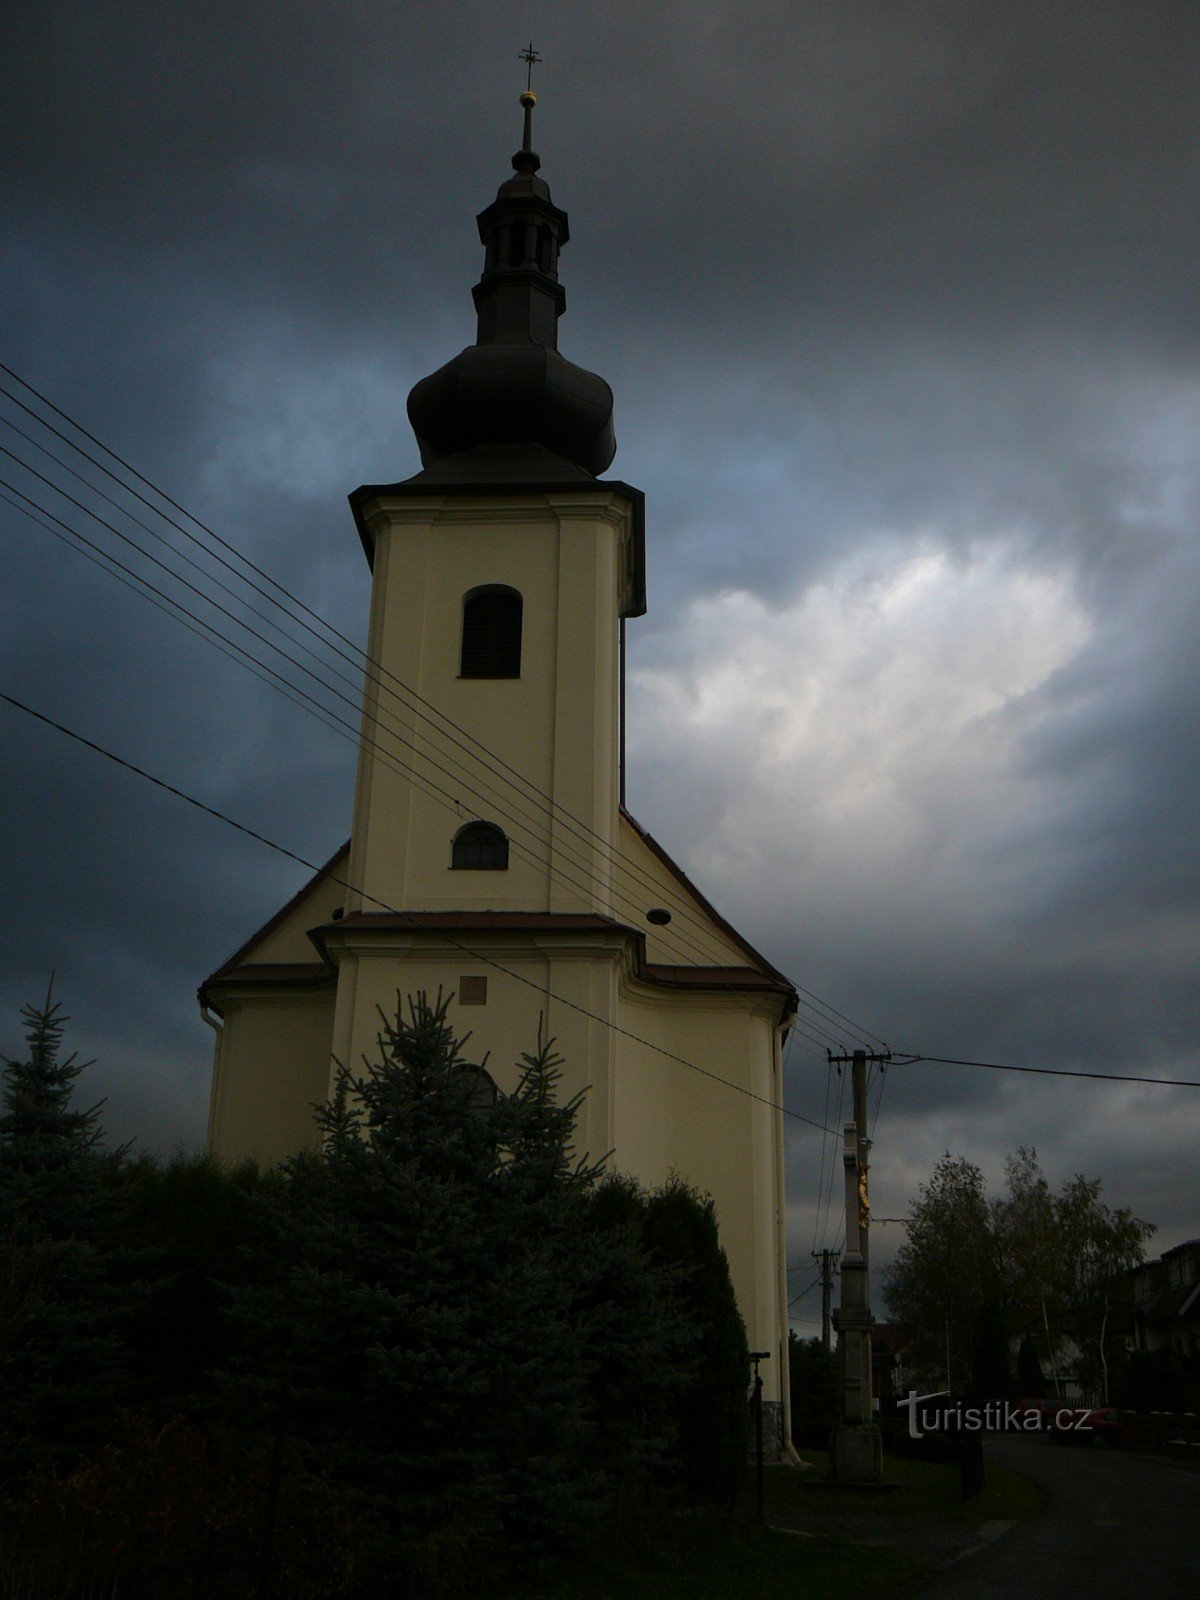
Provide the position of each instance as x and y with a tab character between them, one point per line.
490	852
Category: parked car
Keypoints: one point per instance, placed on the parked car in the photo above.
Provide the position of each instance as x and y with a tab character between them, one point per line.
1089	1425
1032	1416
1110	1426
1070	1425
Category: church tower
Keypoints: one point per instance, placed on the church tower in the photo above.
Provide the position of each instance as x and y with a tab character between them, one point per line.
490	853
501	575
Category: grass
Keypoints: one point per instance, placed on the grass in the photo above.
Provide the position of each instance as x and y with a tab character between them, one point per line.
694	1561
927	1489
743	1565
695	1557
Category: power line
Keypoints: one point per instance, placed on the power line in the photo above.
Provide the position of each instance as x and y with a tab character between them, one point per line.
882	1077
273	679
489	759
476	955
168	607
618	858
285	686
306	702
803	1294
1052	1072
512	815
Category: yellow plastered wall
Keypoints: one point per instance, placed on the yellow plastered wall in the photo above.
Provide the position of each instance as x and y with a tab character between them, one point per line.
671	1117
271	1067
567	991
550	735
644	882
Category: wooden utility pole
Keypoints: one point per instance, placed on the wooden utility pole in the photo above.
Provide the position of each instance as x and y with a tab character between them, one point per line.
829	1260
856	1455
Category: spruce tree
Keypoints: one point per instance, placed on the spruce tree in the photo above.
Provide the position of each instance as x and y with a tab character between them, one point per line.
439	1331
60	1355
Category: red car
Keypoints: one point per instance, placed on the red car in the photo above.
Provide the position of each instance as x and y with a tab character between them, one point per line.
1033	1416
1088	1425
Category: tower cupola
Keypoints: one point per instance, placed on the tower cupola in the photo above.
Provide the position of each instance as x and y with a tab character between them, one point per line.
519	296
512	388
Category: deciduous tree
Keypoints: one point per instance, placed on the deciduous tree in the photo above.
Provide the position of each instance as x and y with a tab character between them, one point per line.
946	1270
1052	1269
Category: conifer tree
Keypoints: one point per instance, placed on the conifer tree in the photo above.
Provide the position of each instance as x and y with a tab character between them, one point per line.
188	1227
681	1229
59	1349
445	1311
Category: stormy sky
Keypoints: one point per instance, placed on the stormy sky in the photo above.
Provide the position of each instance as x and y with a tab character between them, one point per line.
898	302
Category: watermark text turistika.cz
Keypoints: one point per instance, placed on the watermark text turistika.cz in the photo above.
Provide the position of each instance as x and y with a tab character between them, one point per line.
992	1416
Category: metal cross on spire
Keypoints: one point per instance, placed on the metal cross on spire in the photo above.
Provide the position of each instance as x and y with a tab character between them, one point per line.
528	160
530	57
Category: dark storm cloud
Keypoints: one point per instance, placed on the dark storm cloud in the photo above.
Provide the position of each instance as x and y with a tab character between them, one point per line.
875	286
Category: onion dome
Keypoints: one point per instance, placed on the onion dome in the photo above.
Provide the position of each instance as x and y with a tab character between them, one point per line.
511	388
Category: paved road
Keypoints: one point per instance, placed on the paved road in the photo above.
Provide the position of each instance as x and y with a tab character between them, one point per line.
1115	1527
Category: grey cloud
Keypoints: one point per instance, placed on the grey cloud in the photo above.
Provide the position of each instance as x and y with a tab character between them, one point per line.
861	278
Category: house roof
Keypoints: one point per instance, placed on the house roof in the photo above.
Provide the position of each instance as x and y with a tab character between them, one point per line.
1168	1304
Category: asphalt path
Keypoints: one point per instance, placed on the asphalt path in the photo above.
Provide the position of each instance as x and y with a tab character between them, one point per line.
1115	1527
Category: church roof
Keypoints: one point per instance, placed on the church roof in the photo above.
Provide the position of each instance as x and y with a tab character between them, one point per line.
512	387
240	956
705	904
242	971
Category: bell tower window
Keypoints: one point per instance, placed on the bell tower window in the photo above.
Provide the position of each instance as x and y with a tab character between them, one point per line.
480	847
491	634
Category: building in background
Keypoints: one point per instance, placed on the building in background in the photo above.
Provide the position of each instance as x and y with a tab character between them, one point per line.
1166	1301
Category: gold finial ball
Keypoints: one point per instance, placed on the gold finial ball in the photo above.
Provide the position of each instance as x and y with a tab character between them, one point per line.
528	98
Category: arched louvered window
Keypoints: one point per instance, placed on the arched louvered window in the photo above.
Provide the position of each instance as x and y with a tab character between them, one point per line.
480	847
491	634
483	1093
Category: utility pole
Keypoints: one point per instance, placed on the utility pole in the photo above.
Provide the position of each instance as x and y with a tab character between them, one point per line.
856	1454
829	1260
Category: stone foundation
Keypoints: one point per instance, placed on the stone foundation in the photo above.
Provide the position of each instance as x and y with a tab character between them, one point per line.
775	1447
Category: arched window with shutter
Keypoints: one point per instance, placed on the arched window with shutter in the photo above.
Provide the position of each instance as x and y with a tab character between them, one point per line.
483	1094
480	847
491	634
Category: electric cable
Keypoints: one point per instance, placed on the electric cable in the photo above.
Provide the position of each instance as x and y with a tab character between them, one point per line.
834	1136
411	917
619	858
352	734
911	1060
824	1147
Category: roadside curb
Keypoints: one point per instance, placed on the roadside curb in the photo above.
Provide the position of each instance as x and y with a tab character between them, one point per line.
989	1534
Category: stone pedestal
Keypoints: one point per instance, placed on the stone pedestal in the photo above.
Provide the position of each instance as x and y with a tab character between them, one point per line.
856	1453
